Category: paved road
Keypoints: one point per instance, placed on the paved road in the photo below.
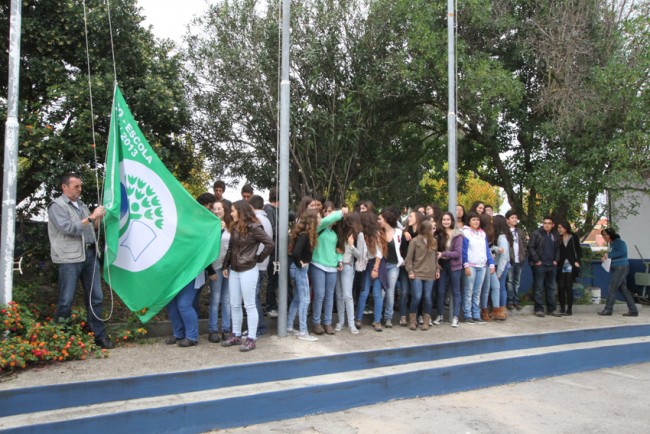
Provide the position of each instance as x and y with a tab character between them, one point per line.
604	401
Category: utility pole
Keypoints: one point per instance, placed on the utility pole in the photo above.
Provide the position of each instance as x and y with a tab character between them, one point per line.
283	209
10	175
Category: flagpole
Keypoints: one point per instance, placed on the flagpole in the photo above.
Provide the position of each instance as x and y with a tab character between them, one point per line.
283	236
10	175
451	116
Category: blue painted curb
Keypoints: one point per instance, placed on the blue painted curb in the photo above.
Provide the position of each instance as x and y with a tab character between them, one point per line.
42	398
231	412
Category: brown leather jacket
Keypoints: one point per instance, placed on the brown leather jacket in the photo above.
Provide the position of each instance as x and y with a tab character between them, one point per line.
242	250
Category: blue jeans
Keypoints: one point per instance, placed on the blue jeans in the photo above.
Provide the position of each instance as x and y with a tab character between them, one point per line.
418	289
90	276
324	284
377	296
271	285
404	295
392	272
618	283
261	325
512	283
300	302
503	292
453	277
544	278
490	289
344	299
219	293
472	292
185	320
242	285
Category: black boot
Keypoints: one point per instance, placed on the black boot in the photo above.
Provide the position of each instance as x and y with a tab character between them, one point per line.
562	310
569	311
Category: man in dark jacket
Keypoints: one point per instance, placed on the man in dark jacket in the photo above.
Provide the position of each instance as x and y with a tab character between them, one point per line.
543	257
518	255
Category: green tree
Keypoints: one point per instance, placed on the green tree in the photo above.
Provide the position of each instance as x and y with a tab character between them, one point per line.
351	110
55	116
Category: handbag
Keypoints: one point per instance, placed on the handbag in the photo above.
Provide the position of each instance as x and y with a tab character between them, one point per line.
575	256
361	263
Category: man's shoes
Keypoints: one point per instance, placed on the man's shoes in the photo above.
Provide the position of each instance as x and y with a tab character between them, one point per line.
478	320
388	324
376	326
105	343
214	337
318	329
605	313
307	337
329	329
631	314
510	306
171	340
518	306
272	313
469	321
540	314
555	314
454	322
187	343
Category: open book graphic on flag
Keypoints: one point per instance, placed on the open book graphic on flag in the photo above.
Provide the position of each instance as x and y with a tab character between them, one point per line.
158	237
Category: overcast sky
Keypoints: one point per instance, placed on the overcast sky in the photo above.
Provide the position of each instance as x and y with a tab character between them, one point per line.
169	18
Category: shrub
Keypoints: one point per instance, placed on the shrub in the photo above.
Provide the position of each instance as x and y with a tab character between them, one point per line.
31	336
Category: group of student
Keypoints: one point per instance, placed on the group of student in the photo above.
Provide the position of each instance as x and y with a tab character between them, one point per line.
471	260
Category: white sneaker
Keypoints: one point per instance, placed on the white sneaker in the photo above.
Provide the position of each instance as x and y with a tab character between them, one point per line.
420	320
354	330
272	313
292	332
439	320
307	337
454	322
338	327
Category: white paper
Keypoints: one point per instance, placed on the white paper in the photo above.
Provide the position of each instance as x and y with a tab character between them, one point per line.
607	264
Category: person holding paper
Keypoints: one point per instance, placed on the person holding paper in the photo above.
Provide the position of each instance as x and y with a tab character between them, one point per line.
619	270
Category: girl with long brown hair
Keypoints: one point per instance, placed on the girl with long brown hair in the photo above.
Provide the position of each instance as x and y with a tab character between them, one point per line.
219	292
422	267
375	273
240	266
302	242
353	253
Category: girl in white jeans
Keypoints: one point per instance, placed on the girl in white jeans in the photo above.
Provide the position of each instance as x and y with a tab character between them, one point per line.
240	267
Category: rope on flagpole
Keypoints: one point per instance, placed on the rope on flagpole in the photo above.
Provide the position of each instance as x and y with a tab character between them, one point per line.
99	198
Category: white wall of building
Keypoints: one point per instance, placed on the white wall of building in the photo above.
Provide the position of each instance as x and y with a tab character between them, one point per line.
635	229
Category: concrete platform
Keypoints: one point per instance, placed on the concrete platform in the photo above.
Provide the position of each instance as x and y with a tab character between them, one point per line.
171	389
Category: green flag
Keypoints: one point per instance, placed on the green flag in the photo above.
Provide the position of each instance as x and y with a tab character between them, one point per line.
158	237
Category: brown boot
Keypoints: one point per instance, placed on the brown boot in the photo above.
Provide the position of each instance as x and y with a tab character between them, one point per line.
499	313
485	316
413	325
425	324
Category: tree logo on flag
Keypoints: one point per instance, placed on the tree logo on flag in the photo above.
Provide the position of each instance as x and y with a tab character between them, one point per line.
147	217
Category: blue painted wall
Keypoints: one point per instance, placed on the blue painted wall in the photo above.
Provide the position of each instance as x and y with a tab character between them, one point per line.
599	278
